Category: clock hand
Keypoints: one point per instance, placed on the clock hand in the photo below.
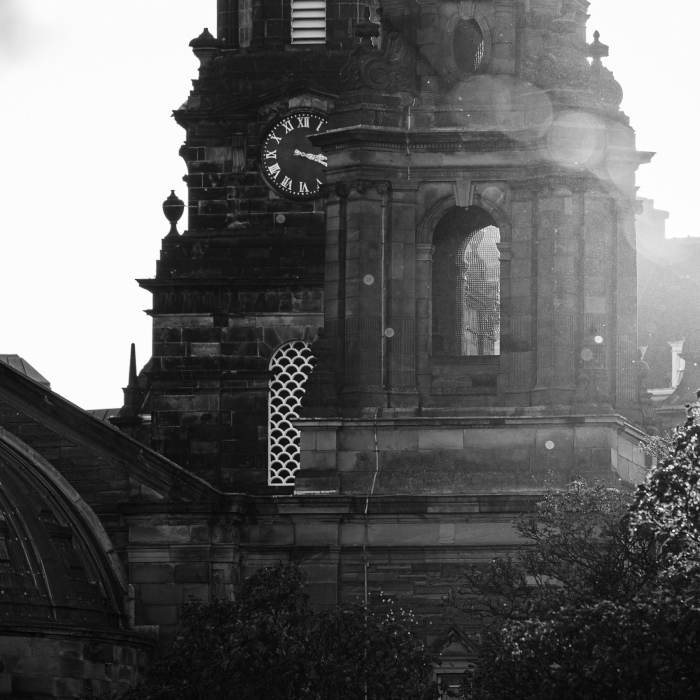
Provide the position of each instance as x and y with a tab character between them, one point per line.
320	158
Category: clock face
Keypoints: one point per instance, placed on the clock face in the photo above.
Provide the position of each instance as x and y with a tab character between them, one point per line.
291	165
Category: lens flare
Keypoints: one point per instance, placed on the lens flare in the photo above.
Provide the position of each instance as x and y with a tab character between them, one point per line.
576	139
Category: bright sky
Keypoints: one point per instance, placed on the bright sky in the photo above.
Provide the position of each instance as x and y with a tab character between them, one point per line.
90	152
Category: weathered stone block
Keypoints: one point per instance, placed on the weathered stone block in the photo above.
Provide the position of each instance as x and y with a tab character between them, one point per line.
440	439
350	440
157	615
160	594
151	573
192	572
316	533
159	533
396	440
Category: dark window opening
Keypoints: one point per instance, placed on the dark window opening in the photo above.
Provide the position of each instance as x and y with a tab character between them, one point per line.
468	45
466	300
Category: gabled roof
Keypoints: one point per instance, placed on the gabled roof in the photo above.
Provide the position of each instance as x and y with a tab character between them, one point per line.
21	365
454	643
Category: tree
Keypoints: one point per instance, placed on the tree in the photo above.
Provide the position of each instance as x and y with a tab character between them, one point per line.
578	548
270	644
668	504
602	601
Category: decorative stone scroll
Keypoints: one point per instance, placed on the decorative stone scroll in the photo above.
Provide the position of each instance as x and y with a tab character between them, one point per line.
389	68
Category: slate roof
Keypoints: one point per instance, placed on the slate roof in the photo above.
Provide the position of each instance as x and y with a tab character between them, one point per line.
21	365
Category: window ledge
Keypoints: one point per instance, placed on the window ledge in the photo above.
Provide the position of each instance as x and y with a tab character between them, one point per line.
466	359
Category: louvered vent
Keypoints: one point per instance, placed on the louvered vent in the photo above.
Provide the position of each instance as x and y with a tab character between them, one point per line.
308	22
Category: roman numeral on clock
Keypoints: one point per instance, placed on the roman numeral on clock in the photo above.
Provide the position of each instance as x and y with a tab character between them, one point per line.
274	170
277	138
303	189
303	122
286	182
288	126
271	154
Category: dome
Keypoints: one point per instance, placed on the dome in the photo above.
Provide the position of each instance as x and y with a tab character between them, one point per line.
52	567
62	591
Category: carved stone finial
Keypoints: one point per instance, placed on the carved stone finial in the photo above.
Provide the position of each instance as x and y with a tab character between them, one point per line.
367	30
597	50
205	47
206	40
173	208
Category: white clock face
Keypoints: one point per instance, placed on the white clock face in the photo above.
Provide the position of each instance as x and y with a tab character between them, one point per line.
291	165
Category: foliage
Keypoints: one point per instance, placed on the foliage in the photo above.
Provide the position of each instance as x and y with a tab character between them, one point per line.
270	644
644	648
581	550
602	602
668	504
658	446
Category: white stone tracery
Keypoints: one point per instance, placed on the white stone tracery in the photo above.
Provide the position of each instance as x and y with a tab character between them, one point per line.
291	365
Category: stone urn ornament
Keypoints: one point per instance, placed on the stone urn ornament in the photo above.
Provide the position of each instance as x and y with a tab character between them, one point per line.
173	208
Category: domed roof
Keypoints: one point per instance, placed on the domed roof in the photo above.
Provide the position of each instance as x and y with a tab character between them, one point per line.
56	567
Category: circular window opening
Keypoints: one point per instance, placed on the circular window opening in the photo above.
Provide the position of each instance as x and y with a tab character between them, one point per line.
468	45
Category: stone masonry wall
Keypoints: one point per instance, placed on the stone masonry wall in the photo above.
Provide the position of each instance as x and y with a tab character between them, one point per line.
65	665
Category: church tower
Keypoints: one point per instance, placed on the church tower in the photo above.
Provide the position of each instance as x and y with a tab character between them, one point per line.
405	299
245	280
452	202
480	287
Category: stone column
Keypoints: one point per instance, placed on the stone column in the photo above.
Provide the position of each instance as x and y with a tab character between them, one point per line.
518	339
362	326
334	288
597	337
401	296
424	321
625	276
503	48
227	23
557	293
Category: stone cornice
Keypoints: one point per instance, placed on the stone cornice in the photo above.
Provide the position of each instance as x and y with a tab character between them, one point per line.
398	139
164	283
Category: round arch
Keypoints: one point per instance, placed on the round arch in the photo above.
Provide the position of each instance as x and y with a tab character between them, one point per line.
426	227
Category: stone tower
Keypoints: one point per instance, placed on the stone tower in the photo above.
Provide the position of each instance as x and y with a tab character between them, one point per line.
480	287
450	122
247	275
405	301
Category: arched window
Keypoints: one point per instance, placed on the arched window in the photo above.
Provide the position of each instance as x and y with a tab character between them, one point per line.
468	45
291	365
466	284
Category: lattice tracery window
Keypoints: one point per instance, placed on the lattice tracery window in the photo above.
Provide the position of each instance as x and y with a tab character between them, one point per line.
291	365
